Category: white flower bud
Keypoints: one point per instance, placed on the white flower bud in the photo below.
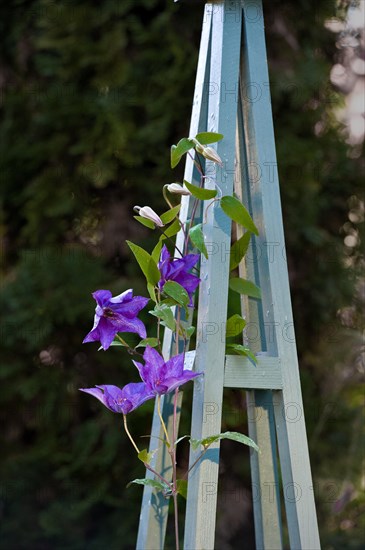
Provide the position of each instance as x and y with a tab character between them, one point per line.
209	153
177	189
149	214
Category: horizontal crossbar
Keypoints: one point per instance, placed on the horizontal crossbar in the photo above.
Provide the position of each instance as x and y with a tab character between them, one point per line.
239	372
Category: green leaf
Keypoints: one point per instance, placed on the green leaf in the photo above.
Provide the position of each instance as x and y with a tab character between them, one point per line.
238	213
177	151
154	274
151	292
152	342
146	263
186	330
197	238
235	325
238	250
182	487
199	192
234	436
170	231
156	252
145	221
242	350
242	286
114	343
163	312
177	292
146	457
151	482
170	215
208	137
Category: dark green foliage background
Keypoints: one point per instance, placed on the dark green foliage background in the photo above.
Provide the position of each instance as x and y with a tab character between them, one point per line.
93	94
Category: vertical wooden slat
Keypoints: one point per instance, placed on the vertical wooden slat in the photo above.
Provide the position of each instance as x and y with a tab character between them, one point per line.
221	41
154	510
288	405
213	294
261	423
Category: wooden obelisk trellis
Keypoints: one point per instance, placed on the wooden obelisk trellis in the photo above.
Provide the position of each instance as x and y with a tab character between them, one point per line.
232	97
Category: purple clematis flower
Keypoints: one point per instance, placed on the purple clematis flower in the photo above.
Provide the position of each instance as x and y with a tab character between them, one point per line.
177	270
160	377
122	400
118	314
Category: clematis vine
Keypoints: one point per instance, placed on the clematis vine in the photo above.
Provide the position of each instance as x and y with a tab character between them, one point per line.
118	314
178	270
166	277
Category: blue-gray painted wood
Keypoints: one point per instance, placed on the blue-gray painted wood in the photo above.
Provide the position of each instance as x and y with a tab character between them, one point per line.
240	373
261	423
154	509
277	371
266	206
213	294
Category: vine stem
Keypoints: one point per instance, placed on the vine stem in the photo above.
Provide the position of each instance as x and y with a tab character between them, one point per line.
128	433
129	349
198	165
162	420
148	467
176	521
196	202
173	460
171	241
123	342
174	437
196	461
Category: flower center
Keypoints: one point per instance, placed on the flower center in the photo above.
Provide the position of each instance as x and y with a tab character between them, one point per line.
109	313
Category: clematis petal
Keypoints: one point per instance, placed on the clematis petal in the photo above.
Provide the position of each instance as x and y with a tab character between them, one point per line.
96	392
122	324
143	371
165	254
175	382
123	297
120	400
152	357
152	371
102	297
118	314
191	260
106	333
163	264
188	281
133	395
178	270
130	308
175	366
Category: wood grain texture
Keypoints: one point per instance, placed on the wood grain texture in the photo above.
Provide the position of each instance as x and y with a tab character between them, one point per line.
274	404
154	509
277	311
241	373
213	295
